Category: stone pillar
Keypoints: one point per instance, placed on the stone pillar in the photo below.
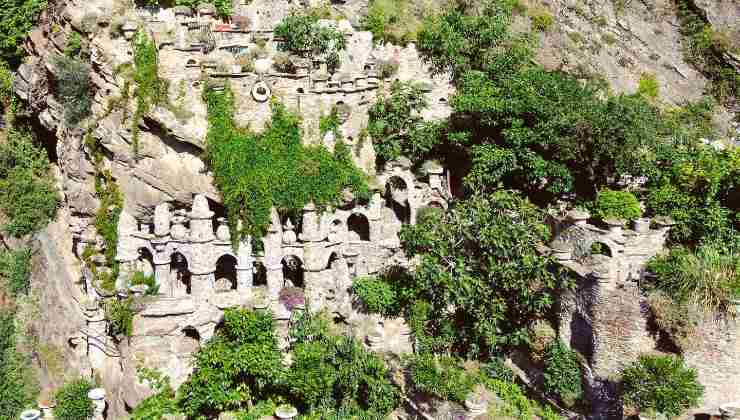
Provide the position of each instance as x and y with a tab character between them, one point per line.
245	266
202	284
313	281
311	229
97	327
97	396
162	272
162	220
375	218
275	280
201	223
127	248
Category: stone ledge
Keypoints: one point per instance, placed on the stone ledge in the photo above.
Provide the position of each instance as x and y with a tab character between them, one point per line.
169	306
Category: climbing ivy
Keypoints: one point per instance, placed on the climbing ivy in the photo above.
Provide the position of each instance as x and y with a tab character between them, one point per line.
150	89
258	171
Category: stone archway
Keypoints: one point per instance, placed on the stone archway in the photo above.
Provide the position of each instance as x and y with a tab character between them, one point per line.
292	271
180	275
600	248
358	227
226	272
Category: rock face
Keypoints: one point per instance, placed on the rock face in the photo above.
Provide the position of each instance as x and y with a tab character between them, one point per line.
167	179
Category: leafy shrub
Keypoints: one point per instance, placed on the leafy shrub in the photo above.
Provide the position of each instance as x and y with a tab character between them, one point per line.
15	271
648	86
542	20
388	68
141	278
6	85
258	171
27	196
661	384
542	336
376	295
159	405
72	402
616	204
442	376
678	321
282	63
73	85
74	45
303	35
562	373
106	225
396	21
120	315
223	7
18	388
496	369
708	276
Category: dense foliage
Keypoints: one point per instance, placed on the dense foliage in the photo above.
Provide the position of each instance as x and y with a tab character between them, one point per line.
480	279
302	34
223	7
616	204
17	386
15	271
708	276
396	21
562	374
661	384
442	376
376	295
17	17
150	89
242	367
73	86
72	401
120	316
258	171
27	196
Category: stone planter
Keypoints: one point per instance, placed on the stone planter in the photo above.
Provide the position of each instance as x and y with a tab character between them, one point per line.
97	396
138	290
730	410
286	412
476	406
30	415
641	225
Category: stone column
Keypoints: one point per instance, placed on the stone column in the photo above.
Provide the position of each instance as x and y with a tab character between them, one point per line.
202	284
201	223
311	229
275	280
162	270
162	220
97	396
244	266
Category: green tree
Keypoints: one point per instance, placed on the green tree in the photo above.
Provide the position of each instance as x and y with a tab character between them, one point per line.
302	34
480	279
661	384
72	401
17	17
236	368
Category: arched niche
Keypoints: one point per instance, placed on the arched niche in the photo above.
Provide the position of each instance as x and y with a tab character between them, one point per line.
292	271
180	275
226	272
397	198
260	274
145	262
358	227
